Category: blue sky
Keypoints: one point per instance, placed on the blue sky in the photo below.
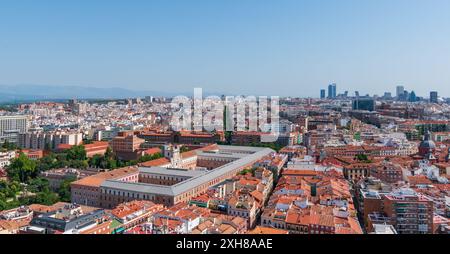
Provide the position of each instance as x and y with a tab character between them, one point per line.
283	47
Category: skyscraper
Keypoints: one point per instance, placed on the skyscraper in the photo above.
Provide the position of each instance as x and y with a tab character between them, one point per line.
434	97
332	91
405	96
412	97
322	94
400	91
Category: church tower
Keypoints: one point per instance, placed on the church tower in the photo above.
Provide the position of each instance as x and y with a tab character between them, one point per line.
172	152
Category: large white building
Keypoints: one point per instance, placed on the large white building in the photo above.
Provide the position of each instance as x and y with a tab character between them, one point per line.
11	126
49	140
168	186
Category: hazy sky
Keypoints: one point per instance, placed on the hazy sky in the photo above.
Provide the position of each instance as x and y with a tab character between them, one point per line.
282	47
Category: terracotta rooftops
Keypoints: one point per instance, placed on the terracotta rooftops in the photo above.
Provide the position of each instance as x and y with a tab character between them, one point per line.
155	163
98	179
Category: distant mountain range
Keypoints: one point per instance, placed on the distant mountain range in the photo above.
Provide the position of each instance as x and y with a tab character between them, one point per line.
25	93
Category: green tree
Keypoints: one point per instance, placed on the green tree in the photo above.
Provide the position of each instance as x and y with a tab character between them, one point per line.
22	168
109	153
38	184
3	204
9	146
363	158
61	161
44	198
246	171
48	162
76	153
8	193
64	189
149	157
110	164
96	161
79	164
10	189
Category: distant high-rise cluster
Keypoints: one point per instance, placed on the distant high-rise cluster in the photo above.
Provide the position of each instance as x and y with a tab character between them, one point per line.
404	95
332	91
401	94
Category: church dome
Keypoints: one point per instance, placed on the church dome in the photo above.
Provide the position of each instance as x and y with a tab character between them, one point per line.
427	146
427	143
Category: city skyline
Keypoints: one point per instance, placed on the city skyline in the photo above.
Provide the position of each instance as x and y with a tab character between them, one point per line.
30	93
288	48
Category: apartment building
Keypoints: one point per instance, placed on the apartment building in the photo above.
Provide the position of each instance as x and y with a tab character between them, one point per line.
134	213
40	140
408	211
182	137
6	157
126	146
11	126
